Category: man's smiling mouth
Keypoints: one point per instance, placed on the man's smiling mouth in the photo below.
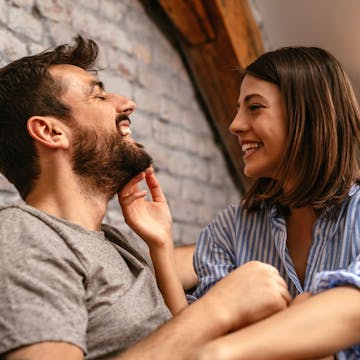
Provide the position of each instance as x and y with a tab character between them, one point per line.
123	125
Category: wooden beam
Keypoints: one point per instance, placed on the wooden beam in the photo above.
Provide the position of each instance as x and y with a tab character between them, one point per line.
217	37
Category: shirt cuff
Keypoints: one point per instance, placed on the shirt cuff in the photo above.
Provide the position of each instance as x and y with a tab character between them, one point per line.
190	298
329	279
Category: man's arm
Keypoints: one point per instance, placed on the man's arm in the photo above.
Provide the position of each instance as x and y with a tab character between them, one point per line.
250	293
46	351
321	325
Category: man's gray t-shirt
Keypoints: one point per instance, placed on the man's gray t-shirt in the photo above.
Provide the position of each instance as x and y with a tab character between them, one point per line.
61	282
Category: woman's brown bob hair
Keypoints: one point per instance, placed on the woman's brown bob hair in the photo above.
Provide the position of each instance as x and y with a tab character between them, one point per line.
324	123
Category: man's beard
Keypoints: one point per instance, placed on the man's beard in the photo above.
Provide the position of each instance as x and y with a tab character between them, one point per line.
106	162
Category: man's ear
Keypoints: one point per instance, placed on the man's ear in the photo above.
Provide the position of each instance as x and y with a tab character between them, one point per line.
48	131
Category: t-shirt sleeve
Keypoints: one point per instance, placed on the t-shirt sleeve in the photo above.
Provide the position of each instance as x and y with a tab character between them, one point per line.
42	292
214	256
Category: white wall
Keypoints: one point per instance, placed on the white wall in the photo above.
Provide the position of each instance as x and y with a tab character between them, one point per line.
330	24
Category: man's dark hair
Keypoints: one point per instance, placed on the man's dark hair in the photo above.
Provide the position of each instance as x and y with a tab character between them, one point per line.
27	89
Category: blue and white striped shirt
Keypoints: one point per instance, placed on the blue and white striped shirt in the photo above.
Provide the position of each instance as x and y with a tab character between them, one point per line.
236	236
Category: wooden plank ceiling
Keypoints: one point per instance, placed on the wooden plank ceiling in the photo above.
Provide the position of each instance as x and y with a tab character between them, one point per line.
217	38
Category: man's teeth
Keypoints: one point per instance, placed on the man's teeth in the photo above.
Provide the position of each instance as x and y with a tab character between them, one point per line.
251	146
125	131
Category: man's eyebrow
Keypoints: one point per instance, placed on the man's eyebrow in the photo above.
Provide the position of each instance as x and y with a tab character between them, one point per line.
95	83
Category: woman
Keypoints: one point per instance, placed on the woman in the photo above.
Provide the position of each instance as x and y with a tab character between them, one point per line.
298	126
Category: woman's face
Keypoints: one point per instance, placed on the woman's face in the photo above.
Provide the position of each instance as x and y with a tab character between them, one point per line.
261	127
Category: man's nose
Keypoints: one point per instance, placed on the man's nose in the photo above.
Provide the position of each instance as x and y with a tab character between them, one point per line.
122	104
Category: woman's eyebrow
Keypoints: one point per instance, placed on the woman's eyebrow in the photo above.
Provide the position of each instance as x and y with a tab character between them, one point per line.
248	97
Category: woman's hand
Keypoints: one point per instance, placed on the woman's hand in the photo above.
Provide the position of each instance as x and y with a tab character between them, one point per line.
150	219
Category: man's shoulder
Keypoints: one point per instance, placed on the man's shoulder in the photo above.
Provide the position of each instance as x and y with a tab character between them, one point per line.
13	214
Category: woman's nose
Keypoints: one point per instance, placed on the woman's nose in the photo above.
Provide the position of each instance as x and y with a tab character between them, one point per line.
239	124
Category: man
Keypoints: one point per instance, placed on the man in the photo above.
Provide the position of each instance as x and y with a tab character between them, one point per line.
70	286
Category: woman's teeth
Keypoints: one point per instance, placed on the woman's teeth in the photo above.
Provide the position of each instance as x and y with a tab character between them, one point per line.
252	146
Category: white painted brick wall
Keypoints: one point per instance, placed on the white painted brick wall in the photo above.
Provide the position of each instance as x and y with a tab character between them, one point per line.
140	63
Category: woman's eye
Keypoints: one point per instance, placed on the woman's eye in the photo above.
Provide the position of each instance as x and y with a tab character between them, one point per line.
254	107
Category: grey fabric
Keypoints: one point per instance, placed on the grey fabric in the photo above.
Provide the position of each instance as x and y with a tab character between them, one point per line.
61	282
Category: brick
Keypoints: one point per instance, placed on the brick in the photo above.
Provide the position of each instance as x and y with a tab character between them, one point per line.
207	148
106	33
177	232
135	5
190	234
193	142
234	196
179	164
35	48
256	13
154	79
116	84
113	11
192	167
199	169
183	211
192	190
26	4
92	5
139	25
169	183
84	21
112	34
195	121
206	214
3	62
218	170
121	62
142	51
159	153
56	10
161	133
181	91
165	56
3	11
170	110
101	61
61	33
12	47
142	124
146	100
24	23
215	197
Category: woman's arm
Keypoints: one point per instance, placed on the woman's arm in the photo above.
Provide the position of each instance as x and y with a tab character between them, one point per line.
152	221
184	265
319	326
